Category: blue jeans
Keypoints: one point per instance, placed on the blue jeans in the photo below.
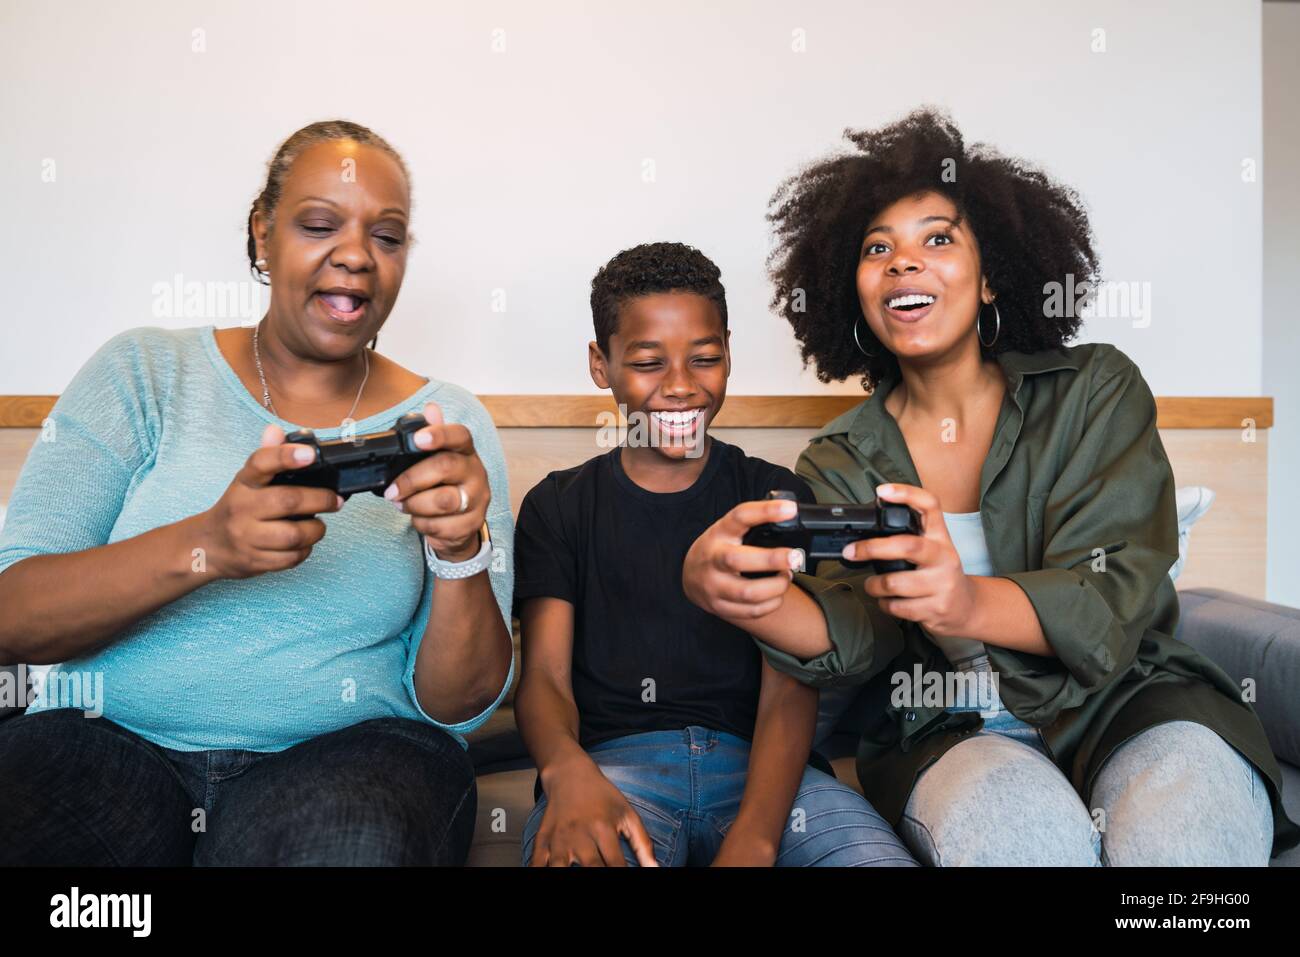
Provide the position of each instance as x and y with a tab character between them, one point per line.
84	791
686	787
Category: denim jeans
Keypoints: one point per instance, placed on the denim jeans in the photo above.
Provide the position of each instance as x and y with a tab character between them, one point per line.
85	791
686	787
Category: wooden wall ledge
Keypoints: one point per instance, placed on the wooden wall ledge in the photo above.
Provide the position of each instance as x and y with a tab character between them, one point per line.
814	411
742	411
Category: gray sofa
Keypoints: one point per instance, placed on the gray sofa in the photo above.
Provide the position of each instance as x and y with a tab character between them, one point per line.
1255	639
1245	637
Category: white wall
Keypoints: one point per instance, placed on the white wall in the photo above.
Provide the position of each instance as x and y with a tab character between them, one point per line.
528	163
1281	262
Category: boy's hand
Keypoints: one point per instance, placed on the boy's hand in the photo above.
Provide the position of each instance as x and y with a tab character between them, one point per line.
585	816
711	573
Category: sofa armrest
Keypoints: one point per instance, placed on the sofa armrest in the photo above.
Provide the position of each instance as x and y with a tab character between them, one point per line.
1249	638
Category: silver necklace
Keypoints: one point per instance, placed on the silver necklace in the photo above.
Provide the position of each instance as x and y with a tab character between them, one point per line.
266	393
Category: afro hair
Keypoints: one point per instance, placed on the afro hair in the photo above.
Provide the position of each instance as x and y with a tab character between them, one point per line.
1030	231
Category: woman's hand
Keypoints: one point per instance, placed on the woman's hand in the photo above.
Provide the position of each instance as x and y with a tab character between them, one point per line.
249	531
711	573
937	594
584	817
430	491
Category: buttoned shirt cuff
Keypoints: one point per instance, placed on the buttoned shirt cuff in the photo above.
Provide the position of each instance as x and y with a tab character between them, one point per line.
1076	620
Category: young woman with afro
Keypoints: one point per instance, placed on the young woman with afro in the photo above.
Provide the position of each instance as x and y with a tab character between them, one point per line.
1021	696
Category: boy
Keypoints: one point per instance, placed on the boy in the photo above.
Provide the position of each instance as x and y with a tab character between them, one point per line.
660	733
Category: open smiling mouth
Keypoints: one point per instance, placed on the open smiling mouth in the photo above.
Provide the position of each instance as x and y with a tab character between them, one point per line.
342	307
677	424
909	307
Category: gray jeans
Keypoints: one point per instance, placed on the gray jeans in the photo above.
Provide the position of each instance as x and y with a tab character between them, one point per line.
1175	795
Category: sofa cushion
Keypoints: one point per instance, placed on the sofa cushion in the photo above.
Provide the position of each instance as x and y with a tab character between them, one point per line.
1256	640
1290	801
505	799
1192	501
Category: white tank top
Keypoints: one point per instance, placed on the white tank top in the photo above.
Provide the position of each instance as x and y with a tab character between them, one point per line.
966	654
967	533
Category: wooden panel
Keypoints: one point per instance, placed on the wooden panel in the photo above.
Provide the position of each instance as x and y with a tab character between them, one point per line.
14	446
1228	545
1207	412
744	411
533	453
741	411
24	411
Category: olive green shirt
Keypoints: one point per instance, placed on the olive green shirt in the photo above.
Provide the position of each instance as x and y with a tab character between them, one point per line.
1076	469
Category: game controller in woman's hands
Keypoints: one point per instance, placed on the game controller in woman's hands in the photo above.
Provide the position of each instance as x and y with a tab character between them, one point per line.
365	463
821	531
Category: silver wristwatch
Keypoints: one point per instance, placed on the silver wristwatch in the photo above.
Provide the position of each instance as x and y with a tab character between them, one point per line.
467	568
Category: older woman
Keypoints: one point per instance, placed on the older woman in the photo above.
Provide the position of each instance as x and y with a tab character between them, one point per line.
1048	529
274	691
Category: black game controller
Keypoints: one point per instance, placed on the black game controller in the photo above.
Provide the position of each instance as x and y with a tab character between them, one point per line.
365	463
822	531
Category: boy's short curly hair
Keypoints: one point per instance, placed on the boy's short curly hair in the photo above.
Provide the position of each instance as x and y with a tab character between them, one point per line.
647	269
1030	231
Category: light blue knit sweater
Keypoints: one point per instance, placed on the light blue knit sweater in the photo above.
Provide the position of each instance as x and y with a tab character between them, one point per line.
152	430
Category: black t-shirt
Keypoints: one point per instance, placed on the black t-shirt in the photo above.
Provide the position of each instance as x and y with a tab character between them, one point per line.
644	657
